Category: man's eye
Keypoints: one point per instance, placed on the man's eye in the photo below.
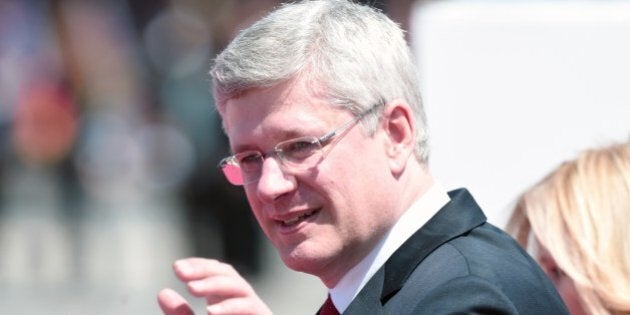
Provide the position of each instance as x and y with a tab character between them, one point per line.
299	149
299	146
249	160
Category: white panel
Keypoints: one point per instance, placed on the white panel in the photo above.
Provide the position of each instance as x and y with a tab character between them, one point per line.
511	89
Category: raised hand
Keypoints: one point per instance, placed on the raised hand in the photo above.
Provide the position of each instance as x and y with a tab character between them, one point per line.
225	291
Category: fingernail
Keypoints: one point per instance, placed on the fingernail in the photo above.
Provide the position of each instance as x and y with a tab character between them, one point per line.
196	285
213	309
183	266
167	293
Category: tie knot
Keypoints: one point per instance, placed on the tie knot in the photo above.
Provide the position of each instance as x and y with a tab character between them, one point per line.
328	308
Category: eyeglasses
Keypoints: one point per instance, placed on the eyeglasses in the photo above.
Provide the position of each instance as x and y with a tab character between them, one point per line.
297	154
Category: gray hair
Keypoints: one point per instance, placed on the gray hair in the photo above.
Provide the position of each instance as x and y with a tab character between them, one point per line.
356	52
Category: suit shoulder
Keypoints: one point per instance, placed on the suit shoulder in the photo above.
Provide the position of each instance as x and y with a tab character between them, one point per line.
485	262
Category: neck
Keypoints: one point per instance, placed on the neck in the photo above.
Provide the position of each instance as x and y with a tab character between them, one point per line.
414	183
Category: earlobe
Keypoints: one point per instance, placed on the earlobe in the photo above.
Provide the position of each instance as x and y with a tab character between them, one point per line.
399	125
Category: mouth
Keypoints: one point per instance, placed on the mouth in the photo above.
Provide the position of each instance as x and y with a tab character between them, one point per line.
293	221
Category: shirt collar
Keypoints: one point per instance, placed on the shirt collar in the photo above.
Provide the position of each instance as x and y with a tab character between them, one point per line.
409	222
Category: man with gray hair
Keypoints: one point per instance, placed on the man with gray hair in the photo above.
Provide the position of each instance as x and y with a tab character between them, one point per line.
320	102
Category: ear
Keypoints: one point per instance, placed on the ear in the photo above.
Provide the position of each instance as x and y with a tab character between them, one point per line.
399	125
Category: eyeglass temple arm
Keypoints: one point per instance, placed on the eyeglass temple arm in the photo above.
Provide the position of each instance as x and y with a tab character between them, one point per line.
328	136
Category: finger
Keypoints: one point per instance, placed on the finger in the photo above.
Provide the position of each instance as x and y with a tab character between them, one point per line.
172	303
236	306
190	269
220	287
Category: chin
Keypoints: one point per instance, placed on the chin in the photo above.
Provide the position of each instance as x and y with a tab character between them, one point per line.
302	260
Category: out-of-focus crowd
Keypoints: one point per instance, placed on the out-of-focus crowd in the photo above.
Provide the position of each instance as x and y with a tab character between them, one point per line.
108	151
109	144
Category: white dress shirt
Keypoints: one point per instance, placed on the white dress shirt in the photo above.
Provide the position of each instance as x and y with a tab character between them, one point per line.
411	220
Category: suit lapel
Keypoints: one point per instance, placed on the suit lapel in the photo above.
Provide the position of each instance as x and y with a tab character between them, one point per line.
457	217
368	300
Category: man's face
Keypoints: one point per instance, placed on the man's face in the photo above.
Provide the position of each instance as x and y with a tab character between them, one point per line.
322	220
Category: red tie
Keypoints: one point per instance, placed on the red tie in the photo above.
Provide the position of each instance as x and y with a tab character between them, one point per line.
328	308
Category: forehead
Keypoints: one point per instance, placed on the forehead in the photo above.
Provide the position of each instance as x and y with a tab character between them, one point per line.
292	107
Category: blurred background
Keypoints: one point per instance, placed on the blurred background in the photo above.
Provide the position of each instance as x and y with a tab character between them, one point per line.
109	140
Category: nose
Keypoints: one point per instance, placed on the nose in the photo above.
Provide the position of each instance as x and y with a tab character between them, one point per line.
274	182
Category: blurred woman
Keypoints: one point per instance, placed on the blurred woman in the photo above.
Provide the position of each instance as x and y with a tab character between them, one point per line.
576	222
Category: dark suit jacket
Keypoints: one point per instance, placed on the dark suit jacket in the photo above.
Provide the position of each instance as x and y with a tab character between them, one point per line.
457	263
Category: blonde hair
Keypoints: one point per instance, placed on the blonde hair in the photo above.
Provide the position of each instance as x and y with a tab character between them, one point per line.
581	214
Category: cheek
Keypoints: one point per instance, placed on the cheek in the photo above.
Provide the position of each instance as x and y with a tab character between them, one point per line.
354	168
256	207
356	180
351	203
569	296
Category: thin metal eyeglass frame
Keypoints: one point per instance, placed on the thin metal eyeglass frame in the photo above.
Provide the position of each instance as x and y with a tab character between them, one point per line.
322	141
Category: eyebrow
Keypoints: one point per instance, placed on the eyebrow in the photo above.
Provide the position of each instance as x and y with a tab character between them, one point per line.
280	136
